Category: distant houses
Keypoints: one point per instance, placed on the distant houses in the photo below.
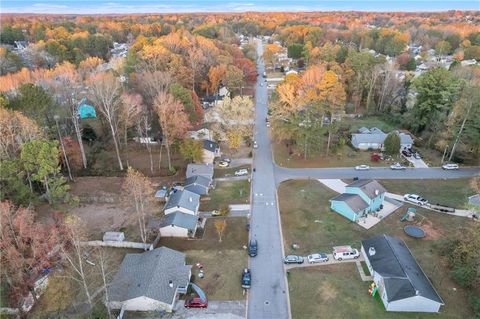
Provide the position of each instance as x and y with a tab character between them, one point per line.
361	197
150	281
402	285
373	139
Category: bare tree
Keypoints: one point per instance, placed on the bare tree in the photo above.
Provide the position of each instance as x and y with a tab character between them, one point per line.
143	130
173	120
105	90
103	262
74	253
152	83
130	110
138	192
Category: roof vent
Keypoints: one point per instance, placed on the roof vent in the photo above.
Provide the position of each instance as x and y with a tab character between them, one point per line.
417	293
190	199
371	251
377	192
170	284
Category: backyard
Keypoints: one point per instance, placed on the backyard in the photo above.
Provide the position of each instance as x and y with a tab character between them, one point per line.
308	222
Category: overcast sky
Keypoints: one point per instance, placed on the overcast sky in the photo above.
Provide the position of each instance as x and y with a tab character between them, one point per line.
151	6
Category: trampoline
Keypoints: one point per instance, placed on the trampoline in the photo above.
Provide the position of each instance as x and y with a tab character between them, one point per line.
414	231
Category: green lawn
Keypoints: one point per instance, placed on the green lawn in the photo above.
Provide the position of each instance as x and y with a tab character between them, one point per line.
452	192
225	172
308	222
368	122
344	156
225	193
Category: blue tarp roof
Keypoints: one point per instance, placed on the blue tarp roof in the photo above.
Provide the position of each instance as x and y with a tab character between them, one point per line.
86	110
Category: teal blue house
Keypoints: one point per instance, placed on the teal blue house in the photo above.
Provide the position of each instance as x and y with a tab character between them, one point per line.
360	198
86	110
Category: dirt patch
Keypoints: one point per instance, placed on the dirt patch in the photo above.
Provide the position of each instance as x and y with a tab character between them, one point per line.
100	218
327	291
432	232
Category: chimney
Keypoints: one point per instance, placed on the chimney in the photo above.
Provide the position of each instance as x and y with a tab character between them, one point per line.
371	251
170	284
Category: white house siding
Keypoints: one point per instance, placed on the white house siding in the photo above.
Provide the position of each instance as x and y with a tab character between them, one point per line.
180	209
208	157
173	231
414	304
366	146
142	304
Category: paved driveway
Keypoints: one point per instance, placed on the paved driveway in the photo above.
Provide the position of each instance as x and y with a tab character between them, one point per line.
268	297
331	261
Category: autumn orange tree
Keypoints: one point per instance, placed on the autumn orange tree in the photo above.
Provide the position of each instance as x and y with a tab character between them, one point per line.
173	121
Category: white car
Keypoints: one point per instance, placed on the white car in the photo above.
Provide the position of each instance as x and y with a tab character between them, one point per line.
362	168
241	172
397	166
415	199
223	164
255	145
317	258
450	166
345	252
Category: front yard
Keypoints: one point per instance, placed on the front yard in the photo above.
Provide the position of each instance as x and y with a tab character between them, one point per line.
225	193
337	291
451	192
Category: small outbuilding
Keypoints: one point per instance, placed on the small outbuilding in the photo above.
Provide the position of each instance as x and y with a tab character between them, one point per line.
86	109
402	284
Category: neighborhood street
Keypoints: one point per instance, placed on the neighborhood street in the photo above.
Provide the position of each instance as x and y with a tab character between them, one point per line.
283	174
268	297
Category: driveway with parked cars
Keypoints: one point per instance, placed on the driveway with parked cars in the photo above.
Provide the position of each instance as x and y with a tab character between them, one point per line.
331	261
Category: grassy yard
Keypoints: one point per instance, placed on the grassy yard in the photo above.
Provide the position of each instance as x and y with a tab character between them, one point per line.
338	292
452	192
225	172
344	156
221	281
225	193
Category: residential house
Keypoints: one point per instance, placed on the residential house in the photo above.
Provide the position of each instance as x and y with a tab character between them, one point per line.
178	224
374	139
211	150
150	281
201	134
183	201
360	198
205	170
198	184
402	284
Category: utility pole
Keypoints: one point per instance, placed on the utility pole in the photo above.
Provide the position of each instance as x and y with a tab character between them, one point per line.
444	153
56	117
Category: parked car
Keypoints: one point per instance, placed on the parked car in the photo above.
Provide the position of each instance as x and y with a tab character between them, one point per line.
407	153
293	259
226	159
246	278
345	252
317	258
397	166
255	145
241	172
450	166
417	156
223	164
362	168
415	199
216	212
252	247
196	302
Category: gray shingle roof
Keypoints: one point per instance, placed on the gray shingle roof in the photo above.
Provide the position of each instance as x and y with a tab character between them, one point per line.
369	187
179	219
378	138
402	275
183	198
210	145
198	184
148	274
205	170
354	201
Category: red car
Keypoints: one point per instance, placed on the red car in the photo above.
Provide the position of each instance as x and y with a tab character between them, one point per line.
196	302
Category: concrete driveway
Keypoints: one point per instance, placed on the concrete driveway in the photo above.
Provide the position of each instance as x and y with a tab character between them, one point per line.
216	310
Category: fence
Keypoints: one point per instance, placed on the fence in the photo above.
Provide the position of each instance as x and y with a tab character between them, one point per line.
122	244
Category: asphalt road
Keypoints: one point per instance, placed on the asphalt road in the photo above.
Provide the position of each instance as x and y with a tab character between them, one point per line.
282	173
268	296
